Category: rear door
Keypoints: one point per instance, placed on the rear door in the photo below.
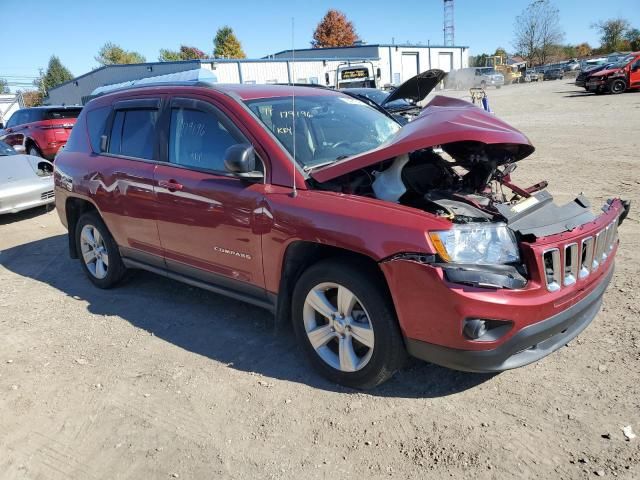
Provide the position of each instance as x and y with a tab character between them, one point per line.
122	186
634	73
208	219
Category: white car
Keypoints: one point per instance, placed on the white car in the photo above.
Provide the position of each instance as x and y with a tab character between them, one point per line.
25	181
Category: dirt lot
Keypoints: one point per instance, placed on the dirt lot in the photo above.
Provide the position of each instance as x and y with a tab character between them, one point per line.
159	380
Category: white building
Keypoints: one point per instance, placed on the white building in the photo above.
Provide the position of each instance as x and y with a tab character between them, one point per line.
396	63
9	103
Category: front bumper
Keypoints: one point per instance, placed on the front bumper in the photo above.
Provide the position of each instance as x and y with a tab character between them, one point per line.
528	345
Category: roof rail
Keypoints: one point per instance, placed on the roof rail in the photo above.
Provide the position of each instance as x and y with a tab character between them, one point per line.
197	77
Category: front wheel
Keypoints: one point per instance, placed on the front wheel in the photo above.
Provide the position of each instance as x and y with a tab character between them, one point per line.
346	324
98	251
617	86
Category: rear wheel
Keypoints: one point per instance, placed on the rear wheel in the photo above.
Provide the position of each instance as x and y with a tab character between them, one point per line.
617	86
346	324
98	251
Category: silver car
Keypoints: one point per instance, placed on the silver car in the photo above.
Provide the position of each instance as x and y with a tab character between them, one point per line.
25	181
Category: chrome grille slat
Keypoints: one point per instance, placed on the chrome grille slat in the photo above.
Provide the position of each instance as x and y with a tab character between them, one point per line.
46	195
586	252
552	278
570	263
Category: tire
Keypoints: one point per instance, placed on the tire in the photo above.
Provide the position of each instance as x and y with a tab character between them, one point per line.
105	269
483	84
33	150
371	315
617	86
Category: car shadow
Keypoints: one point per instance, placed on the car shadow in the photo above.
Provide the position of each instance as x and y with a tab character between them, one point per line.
225	330
8	218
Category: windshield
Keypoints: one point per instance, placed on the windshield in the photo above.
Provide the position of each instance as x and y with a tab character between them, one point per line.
6	150
623	62
327	128
487	71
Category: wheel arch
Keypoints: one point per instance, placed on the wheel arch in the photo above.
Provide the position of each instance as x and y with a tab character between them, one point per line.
301	254
75	207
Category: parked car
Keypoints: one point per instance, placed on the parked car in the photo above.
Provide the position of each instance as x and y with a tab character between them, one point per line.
481	77
403	102
619	77
25	181
583	76
532	76
553	74
372	239
40	131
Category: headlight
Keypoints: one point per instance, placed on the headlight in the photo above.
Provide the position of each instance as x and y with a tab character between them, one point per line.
476	243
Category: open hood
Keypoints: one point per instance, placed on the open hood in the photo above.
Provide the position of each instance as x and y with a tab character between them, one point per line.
443	121
417	88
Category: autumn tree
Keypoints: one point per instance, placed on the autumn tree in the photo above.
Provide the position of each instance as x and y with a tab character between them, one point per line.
185	53
538	31
334	30
55	74
226	44
112	54
583	50
31	98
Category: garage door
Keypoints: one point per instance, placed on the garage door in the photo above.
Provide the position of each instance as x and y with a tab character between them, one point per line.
445	61
409	65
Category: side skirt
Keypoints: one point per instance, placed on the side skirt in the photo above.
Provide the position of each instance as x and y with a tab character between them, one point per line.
268	303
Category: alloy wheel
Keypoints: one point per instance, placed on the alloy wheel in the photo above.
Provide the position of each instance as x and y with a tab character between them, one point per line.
94	252
338	327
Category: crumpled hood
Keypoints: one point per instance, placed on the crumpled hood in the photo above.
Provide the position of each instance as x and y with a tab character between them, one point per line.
606	72
417	88
443	121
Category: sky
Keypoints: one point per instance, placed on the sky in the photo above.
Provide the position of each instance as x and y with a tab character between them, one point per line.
74	30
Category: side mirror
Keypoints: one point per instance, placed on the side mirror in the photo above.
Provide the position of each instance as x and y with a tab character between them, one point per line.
240	159
379	73
326	78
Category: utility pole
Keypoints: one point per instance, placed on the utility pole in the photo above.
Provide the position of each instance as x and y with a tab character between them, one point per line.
449	29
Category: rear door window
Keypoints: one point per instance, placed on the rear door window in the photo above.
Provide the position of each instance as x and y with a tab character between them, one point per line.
96	123
133	133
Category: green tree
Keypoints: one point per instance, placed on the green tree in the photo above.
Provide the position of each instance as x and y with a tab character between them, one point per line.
4	86
185	53
226	44
633	37
501	52
112	54
55	74
612	33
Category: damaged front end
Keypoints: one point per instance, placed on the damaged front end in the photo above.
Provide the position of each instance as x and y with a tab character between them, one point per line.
455	161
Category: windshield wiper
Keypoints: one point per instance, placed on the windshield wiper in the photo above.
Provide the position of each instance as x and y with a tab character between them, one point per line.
308	168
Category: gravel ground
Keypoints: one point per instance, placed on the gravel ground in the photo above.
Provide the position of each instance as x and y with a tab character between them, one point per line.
159	380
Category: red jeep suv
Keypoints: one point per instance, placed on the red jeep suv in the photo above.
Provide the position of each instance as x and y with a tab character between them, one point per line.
371	240
40	131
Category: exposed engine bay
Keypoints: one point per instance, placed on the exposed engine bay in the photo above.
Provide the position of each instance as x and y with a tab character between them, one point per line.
466	182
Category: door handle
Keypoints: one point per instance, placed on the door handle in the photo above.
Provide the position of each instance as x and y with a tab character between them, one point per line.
170	185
